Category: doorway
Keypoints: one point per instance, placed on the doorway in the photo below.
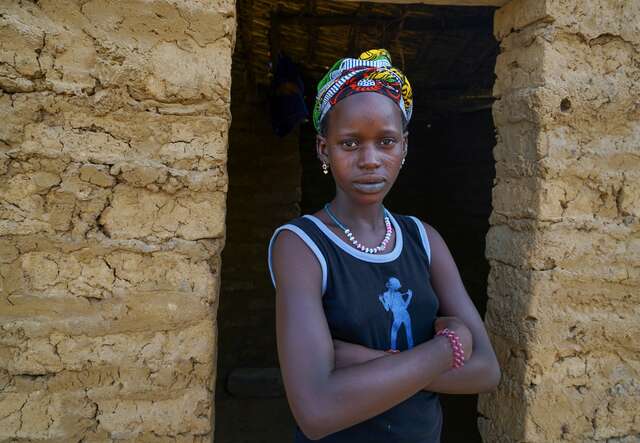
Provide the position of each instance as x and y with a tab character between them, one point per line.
448	54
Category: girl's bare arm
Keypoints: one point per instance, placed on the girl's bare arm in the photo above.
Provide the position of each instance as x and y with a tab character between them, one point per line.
481	373
465	380
325	399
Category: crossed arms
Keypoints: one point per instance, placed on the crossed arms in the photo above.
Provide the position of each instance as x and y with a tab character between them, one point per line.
333	385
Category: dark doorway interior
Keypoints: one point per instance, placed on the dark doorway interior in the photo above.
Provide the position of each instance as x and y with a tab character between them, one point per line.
448	53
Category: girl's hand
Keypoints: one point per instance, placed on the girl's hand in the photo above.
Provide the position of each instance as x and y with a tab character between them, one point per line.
456	325
349	354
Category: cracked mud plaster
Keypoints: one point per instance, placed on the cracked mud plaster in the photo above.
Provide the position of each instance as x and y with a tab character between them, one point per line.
113	153
564	243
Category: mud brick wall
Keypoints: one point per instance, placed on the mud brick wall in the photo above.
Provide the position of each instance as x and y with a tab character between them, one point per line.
564	244
112	201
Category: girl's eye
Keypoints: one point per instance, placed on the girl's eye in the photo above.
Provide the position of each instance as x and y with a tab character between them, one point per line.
349	144
388	141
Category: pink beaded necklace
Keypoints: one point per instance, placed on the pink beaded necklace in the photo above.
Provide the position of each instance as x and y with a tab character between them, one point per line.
381	247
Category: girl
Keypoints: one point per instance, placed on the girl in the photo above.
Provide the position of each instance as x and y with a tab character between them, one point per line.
362	351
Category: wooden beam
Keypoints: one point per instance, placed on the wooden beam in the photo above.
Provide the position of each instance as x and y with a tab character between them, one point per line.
356	29
274	37
446	2
247	42
312	40
409	23
395	35
391	29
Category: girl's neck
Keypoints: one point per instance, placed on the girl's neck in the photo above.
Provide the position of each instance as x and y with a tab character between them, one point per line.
358	216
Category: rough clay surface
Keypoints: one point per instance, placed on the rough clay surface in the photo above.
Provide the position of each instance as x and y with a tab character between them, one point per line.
564	245
112	202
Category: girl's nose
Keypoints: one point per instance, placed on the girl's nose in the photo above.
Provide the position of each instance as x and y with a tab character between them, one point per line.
369	157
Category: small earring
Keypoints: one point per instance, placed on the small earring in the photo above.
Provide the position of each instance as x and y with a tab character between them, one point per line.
402	162
325	168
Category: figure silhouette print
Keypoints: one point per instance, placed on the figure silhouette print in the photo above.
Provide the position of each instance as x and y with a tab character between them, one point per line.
393	300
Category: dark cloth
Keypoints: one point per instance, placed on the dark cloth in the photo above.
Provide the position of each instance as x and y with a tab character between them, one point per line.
288	108
363	302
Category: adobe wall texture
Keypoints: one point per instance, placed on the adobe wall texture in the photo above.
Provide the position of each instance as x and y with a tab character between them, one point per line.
564	245
113	149
113	184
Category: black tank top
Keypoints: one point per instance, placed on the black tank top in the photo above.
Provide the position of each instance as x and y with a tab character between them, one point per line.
382	301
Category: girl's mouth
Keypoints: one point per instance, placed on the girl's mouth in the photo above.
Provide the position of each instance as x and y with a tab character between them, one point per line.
369	187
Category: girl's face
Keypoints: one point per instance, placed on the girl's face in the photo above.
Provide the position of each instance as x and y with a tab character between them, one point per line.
364	146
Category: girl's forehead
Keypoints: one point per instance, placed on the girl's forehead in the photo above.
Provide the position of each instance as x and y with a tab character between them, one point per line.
366	107
367	99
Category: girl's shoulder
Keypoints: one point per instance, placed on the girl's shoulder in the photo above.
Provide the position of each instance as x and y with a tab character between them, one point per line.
301	223
302	233
416	230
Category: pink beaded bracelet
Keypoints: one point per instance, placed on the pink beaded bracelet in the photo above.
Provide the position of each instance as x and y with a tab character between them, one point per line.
454	341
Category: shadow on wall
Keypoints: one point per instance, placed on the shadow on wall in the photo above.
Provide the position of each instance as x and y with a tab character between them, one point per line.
264	192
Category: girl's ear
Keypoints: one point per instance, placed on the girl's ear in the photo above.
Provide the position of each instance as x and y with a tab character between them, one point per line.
321	148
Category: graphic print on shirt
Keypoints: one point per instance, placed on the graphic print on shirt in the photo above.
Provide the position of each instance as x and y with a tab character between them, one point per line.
393	300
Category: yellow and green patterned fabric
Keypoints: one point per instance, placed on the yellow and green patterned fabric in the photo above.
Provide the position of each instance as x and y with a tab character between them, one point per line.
370	72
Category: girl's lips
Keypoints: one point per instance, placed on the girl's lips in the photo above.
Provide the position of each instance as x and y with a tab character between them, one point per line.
370	179
369	187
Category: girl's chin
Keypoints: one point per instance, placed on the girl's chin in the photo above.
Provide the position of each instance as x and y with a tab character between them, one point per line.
367	198
365	194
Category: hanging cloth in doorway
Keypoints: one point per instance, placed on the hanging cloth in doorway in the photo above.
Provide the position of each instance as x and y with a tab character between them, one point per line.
288	108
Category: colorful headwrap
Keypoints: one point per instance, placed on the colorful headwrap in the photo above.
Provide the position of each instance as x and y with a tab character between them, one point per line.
371	72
